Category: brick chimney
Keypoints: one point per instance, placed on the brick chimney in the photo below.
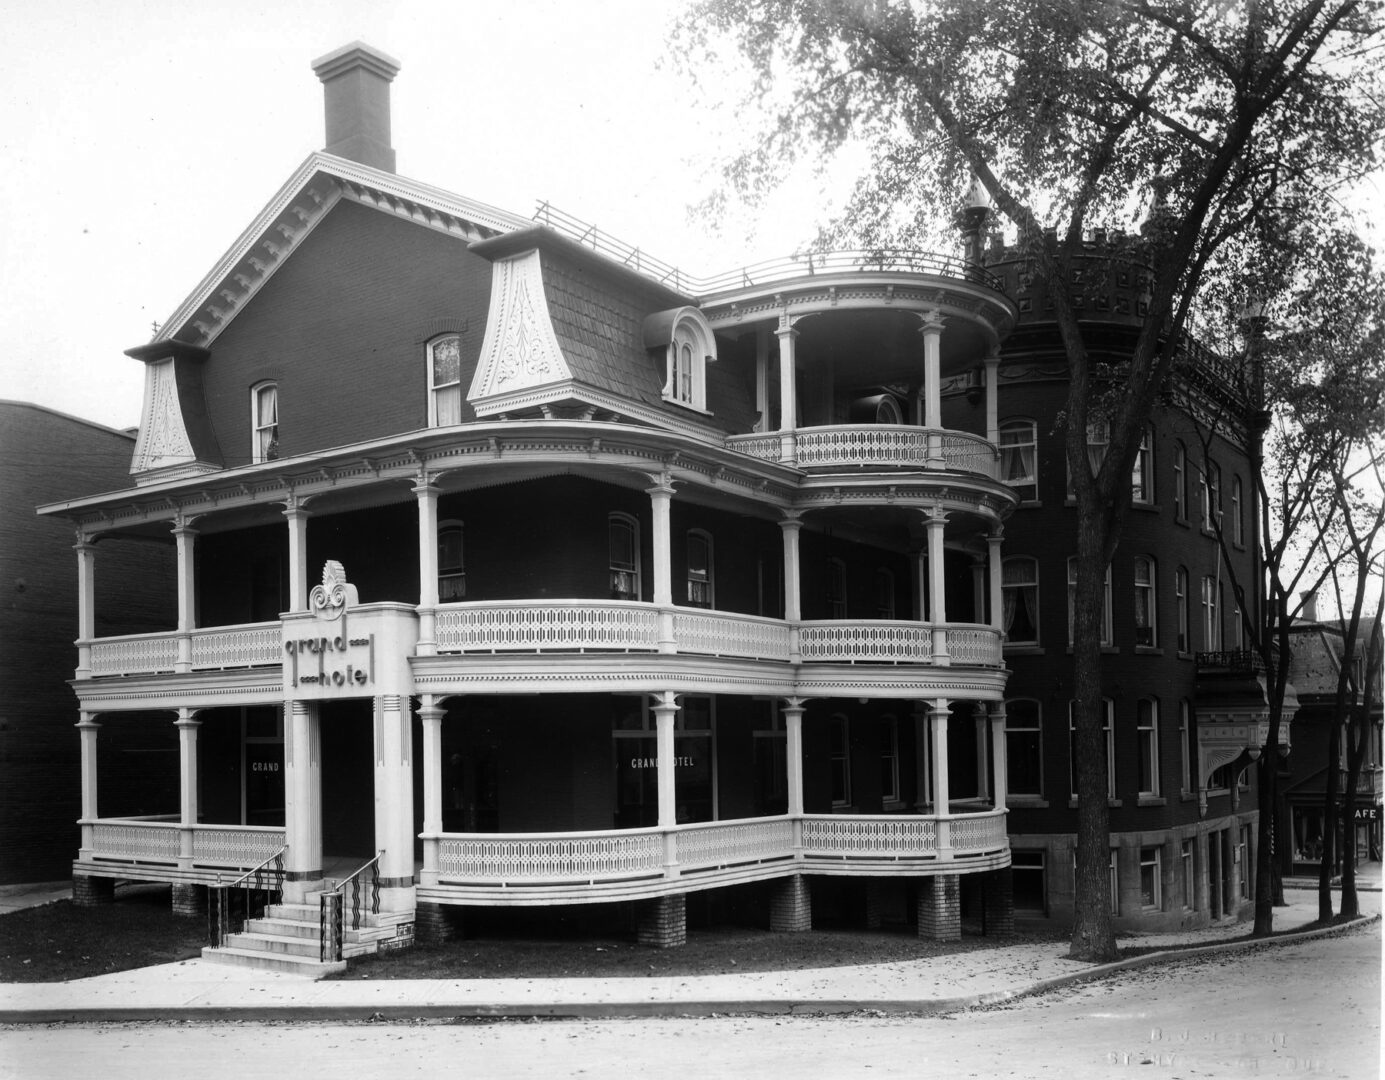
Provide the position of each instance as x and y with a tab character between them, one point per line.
356	91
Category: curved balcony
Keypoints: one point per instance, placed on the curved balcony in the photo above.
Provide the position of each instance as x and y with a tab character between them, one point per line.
585	626
546	868
875	446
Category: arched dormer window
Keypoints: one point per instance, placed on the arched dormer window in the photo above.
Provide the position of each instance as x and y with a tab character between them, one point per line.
688	345
264	421
445	380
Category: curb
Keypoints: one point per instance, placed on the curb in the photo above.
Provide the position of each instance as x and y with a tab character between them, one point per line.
644	1009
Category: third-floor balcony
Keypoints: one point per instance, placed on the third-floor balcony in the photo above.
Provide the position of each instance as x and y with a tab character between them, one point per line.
848	447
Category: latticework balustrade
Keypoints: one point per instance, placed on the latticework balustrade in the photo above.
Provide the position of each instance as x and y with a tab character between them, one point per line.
848	642
243	646
577	857
145	654
136	840
722	634
731	843
863	836
539	627
234	846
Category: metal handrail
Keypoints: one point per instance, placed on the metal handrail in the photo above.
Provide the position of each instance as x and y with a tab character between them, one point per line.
331	919
219	896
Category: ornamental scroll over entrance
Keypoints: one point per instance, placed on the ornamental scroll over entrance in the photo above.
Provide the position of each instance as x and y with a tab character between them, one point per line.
329	655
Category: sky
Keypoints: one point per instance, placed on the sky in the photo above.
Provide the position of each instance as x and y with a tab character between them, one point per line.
137	140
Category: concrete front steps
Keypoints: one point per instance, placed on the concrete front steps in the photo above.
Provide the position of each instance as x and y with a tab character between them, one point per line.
288	937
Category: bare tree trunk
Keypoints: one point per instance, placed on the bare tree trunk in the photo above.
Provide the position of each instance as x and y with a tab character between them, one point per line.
1093	937
1266	799
1329	823
1356	751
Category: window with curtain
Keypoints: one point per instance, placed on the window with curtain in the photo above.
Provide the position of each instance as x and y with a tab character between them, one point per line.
1019	466
1019	595
700	574
264	419
445	380
624	546
1146	623
451	562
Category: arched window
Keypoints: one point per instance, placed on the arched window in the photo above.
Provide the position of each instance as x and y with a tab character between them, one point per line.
451	562
1146	607
701	575
1019	463
445	380
1142	473
623	534
264	421
686	338
1019	594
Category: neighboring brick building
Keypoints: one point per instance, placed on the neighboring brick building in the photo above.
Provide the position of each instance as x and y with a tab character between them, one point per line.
44	456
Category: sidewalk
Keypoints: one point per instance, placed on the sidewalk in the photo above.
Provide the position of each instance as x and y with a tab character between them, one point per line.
203	990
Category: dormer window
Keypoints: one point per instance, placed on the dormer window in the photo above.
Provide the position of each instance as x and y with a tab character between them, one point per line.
264	422
445	381
688	344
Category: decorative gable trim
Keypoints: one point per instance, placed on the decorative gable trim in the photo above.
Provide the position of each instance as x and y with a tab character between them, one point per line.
520	350
292	214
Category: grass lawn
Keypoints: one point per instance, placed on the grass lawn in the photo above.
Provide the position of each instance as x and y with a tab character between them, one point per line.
61	941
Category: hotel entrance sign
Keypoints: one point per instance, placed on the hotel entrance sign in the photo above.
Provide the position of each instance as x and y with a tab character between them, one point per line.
341	648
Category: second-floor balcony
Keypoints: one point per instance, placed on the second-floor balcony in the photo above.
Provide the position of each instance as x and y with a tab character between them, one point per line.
584	626
875	446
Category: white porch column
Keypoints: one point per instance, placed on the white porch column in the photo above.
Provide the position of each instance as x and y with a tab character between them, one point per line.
302	800
793	762
431	714
992	363
932	331
995	566
427	495
665	711
661	507
788	394
983	777
999	768
793	584
762	378
186	538
187	725
937	602
297	514
394	802
937	716
87	727
86	602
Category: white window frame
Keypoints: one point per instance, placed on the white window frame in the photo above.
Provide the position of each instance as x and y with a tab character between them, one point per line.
625	577
1147	731
691	347
1152	864
444	397
1019	454
1146	595
1180	482
264	434
1013	586
701	583
1107	633
1211	614
1209	494
1142	472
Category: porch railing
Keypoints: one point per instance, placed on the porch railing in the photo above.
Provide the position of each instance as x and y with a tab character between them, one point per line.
357	893
161	840
231	907
209	649
534	861
851	446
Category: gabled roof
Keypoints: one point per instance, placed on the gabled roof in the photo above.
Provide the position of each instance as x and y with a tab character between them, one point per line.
295	210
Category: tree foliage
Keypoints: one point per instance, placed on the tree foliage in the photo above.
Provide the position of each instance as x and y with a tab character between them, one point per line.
1220	124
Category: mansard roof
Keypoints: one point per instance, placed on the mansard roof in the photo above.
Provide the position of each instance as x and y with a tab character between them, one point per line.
315	187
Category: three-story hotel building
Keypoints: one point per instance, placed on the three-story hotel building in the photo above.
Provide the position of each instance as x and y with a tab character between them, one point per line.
521	571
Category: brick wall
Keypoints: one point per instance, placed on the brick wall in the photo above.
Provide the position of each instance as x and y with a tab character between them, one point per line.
940	908
791	906
663	922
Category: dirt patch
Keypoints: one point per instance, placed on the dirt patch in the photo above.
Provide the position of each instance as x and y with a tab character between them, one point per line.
60	941
707	952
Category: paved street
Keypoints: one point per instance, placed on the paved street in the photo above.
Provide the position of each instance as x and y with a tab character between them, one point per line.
1306	1009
